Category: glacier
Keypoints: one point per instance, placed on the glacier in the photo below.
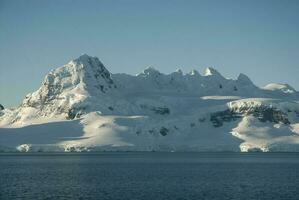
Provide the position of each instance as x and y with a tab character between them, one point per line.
81	106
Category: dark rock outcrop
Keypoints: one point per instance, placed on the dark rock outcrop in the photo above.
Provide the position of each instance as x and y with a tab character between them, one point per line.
262	113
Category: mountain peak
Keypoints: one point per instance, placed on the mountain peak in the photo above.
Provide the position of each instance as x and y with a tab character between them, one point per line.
85	57
209	71
242	78
179	71
87	60
194	72
71	84
150	71
283	87
93	73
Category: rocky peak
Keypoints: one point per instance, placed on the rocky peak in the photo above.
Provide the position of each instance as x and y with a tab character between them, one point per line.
194	72
71	84
93	67
150	71
212	72
243	79
177	74
1	107
179	71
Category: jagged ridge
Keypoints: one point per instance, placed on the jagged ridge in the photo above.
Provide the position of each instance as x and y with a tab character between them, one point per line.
151	111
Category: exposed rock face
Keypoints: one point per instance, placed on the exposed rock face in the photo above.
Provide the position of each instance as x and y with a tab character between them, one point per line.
1	107
161	110
262	113
218	118
164	131
243	79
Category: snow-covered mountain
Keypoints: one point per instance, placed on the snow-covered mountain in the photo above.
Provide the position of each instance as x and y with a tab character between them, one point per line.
285	88
81	106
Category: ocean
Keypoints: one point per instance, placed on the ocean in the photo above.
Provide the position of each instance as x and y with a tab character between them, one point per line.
149	176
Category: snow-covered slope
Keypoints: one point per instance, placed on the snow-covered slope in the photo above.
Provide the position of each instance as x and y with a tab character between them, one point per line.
81	106
285	88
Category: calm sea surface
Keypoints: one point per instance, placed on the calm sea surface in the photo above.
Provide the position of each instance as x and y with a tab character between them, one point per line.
150	176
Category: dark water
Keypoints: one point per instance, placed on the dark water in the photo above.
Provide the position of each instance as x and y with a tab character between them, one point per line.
150	176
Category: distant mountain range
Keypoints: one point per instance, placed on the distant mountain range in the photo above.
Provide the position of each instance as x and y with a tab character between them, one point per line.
81	106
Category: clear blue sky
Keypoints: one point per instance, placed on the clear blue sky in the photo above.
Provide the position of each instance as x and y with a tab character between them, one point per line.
257	37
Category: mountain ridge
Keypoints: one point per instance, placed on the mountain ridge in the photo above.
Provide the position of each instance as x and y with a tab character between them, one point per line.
151	111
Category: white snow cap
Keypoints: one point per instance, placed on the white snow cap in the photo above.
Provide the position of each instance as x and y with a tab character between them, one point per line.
211	72
96	110
194	72
87	60
285	88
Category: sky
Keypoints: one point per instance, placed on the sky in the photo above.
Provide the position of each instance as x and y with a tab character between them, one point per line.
257	37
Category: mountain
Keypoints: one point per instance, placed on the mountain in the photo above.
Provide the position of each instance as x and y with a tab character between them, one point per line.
285	88
81	106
